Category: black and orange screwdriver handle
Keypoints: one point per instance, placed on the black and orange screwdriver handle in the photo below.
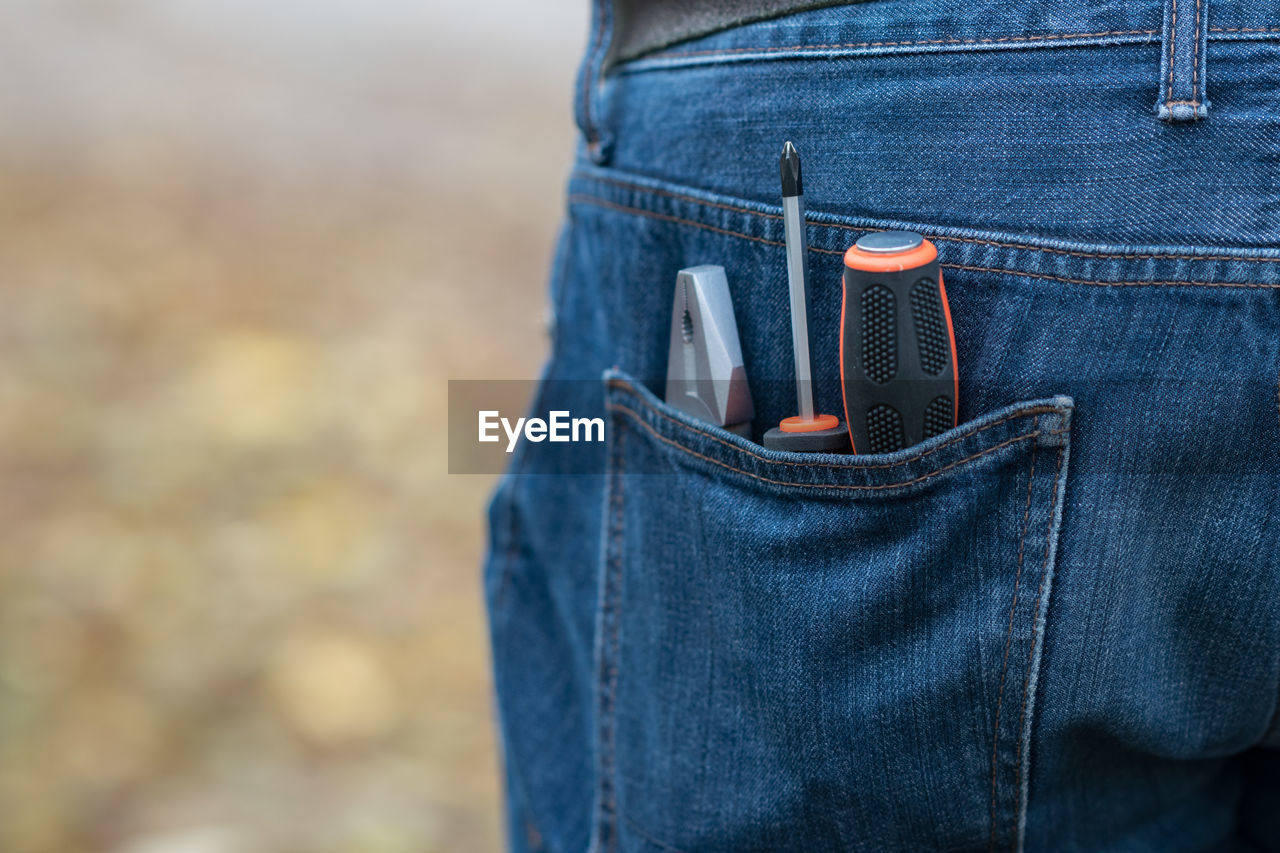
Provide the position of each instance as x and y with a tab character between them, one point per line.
897	347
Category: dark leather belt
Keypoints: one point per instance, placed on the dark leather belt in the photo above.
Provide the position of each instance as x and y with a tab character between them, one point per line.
640	26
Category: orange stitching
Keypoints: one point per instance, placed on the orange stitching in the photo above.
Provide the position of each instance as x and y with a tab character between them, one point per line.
668	218
1044	573
1191	103
1122	255
1244	29
854	466
855	45
997	243
1173	44
875	487
588	199
670	194
1195	58
1008	638
1115	283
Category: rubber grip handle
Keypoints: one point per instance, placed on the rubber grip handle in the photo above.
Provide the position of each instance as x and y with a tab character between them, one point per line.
897	356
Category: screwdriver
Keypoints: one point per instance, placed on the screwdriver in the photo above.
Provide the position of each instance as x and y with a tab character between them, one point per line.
897	344
806	432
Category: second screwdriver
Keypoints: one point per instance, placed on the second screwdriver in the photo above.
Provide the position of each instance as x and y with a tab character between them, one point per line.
807	432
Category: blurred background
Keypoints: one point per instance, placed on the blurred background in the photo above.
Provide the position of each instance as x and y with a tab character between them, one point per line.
243	247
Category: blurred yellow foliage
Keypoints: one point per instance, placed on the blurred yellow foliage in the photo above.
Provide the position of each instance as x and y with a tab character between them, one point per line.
254	386
240	604
322	529
333	688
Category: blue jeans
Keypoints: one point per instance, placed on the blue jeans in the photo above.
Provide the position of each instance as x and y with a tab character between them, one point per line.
1054	627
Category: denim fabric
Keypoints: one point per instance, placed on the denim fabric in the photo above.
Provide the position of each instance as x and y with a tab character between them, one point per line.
1054	627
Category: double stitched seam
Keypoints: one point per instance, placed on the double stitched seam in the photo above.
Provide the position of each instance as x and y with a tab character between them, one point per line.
614	182
861	44
1113	283
818	486
609	670
975	240
1026	683
1195	58
1038	410
1008	638
666	217
1173	45
589	199
778	49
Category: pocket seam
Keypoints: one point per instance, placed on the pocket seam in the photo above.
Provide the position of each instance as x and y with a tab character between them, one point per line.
1020	800
1008	641
999	244
621	385
599	202
1012	790
617	407
605	833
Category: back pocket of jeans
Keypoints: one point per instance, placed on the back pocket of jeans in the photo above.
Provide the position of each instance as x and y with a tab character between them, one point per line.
821	652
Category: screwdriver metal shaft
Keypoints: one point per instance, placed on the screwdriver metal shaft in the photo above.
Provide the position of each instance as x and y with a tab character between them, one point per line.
797	275
807	432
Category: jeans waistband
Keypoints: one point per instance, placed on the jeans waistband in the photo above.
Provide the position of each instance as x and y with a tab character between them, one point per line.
1119	122
649	40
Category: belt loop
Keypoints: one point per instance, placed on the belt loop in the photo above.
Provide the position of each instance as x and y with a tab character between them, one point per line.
590	82
1182	61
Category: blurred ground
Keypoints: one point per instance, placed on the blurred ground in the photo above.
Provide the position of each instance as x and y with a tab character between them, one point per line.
242	248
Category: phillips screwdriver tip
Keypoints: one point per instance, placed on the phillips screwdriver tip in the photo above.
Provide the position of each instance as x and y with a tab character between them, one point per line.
790	165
